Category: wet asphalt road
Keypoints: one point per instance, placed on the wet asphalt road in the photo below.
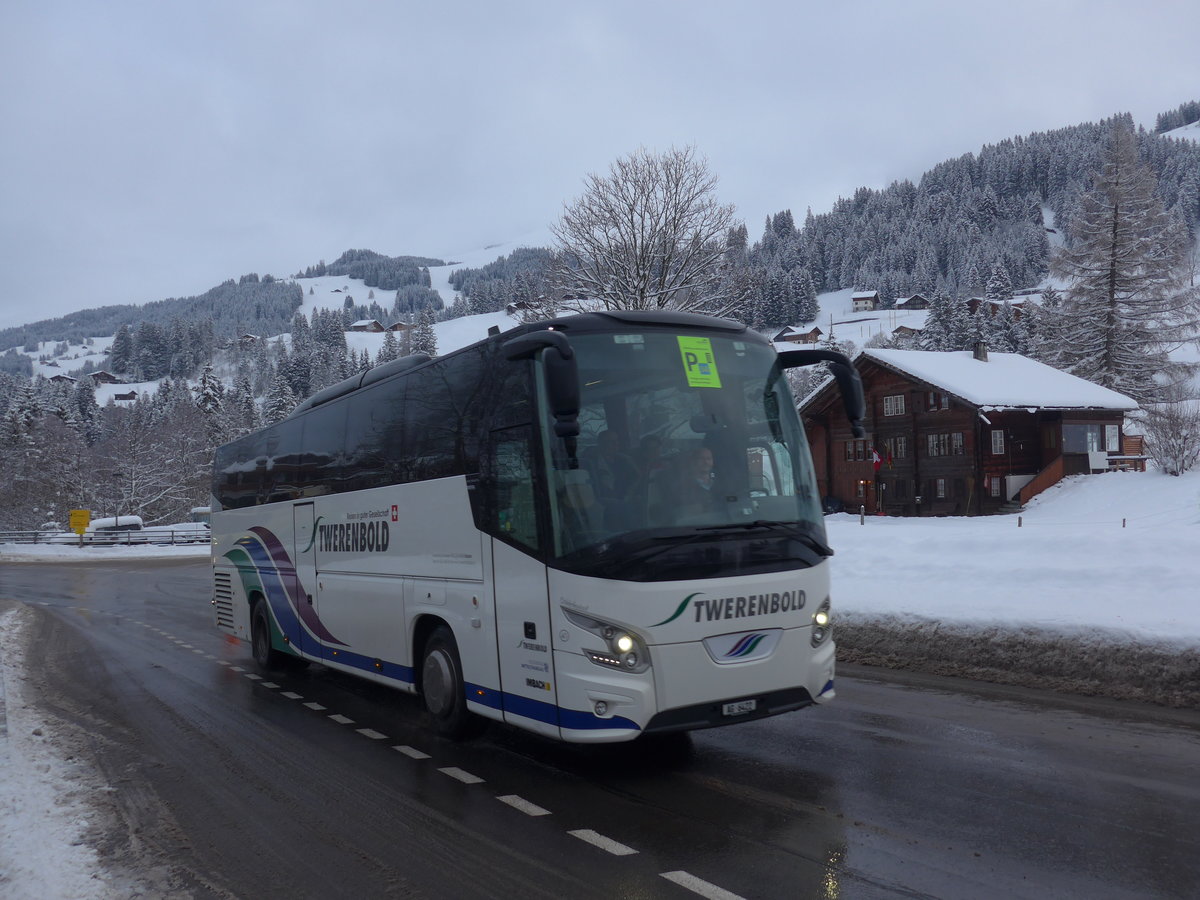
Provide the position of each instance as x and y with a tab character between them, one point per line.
312	784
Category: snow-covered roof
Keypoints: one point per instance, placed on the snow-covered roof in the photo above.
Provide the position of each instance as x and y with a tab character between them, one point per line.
1005	381
864	295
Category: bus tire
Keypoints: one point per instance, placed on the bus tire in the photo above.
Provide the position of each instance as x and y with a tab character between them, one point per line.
443	690
265	655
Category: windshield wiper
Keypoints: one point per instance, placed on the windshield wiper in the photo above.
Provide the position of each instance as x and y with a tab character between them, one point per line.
801	532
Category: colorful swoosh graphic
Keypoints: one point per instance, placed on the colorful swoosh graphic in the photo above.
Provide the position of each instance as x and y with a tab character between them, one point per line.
747	645
264	565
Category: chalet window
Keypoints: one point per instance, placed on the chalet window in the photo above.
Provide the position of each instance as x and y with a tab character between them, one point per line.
943	445
931	445
849	450
860	449
893	405
945	401
900	489
956	441
862	489
1112	439
995	483
941	488
895	448
1084	438
933	401
997	444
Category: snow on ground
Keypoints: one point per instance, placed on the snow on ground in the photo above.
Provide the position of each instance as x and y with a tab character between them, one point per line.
45	808
1070	567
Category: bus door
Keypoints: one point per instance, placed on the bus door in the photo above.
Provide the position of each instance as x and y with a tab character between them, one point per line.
524	640
305	557
523	637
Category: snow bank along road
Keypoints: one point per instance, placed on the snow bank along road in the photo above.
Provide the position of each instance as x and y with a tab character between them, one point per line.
1097	591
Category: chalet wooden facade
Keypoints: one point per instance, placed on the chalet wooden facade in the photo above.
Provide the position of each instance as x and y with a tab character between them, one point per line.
372	325
791	335
960	433
864	301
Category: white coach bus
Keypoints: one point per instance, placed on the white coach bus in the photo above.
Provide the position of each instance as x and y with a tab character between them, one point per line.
594	528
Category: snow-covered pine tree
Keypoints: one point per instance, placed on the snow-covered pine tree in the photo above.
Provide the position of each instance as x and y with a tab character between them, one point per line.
389	350
1129	302
210	393
280	401
424	339
120	355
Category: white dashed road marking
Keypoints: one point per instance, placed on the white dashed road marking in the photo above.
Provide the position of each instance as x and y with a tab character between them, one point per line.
530	809
292	695
317	706
372	734
341	720
700	886
604	843
411	752
464	777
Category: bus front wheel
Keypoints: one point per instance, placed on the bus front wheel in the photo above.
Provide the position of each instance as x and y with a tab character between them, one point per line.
442	687
265	655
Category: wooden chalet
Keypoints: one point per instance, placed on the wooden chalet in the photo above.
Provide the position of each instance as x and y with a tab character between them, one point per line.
792	335
916	301
62	379
400	327
102	377
864	301
992	307
903	331
371	325
960	433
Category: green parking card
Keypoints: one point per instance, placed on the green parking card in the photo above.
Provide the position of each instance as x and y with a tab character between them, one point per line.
699	364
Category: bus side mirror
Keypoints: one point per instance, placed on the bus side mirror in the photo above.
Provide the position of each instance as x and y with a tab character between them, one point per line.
562	375
849	382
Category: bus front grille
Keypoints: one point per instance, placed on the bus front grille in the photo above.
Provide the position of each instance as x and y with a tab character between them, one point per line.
223	599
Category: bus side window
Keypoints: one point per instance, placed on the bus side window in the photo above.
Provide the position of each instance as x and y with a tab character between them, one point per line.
514	502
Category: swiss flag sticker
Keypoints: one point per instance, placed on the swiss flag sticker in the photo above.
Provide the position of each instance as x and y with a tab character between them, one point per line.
395	513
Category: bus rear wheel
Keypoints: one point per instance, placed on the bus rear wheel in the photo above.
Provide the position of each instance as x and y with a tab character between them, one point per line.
265	655
443	689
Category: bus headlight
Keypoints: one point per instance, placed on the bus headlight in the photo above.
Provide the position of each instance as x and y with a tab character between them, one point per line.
623	650
822	626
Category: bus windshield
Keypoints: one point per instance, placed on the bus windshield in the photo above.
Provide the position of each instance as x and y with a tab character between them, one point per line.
685	440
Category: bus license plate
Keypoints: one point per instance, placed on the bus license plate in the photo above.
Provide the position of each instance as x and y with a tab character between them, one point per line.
739	707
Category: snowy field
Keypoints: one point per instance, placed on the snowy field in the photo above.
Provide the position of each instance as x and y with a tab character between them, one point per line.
1069	567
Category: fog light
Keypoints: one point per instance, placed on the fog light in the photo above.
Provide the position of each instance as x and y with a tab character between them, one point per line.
601	708
631	661
624	643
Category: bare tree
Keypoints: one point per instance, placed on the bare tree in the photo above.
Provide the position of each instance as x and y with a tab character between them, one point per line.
649	235
1173	431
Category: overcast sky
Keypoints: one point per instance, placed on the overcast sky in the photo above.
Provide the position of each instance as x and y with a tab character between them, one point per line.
155	149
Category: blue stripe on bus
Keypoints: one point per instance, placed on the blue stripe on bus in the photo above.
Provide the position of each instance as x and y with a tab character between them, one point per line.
538	710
